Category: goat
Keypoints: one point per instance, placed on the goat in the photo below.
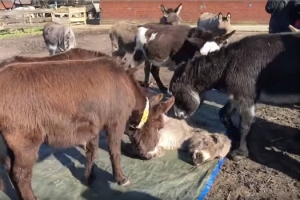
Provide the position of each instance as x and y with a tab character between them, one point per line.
72	54
249	71
67	103
217	24
58	38
122	33
177	134
168	46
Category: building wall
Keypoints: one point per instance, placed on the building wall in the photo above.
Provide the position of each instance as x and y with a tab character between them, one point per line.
242	11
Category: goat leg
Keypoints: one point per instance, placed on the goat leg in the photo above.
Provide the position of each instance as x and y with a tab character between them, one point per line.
147	70
155	74
90	148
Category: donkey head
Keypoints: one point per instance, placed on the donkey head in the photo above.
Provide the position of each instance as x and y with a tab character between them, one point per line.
224	23
145	140
205	41
187	100
170	16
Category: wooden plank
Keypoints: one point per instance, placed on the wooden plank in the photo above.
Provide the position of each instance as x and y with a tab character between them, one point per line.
78	19
17	26
21	12
61	10
79	9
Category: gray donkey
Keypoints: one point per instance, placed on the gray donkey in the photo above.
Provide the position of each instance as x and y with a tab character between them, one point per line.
58	38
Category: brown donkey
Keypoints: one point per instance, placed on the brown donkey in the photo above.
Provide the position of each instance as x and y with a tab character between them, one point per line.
72	54
67	103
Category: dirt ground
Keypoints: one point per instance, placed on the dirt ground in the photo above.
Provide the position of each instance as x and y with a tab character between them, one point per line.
273	169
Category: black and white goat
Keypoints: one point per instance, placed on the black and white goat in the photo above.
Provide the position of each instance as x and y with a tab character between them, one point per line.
168	46
261	68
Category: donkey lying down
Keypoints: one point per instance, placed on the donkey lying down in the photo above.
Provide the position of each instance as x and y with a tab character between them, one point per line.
177	134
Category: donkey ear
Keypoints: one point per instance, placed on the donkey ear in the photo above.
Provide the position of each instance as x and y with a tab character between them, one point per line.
195	42
167	105
228	16
178	9
223	38
220	16
163	10
156	99
163	107
196	54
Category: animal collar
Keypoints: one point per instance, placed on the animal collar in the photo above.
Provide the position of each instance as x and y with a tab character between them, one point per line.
144	116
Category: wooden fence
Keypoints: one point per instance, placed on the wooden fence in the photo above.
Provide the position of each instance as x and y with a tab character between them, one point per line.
29	18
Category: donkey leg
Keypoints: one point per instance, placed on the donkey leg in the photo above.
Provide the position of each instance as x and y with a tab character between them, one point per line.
155	74
147	70
22	163
225	117
114	138
91	149
247	114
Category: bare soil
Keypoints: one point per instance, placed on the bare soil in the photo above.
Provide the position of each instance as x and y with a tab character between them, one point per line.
273	169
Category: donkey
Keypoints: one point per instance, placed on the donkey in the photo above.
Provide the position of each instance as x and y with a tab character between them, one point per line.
217	24
177	134
249	71
168	46
58	38
122	34
65	104
72	54
170	16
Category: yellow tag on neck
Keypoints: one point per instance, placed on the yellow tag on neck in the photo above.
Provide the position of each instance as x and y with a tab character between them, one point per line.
145	114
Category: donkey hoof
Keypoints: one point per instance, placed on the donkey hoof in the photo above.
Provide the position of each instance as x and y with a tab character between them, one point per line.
90	180
125	181
237	155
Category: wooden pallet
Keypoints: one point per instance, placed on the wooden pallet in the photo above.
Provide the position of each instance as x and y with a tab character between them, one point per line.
70	15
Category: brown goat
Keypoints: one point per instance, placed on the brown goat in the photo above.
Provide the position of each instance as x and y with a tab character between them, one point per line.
177	134
72	54
67	103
